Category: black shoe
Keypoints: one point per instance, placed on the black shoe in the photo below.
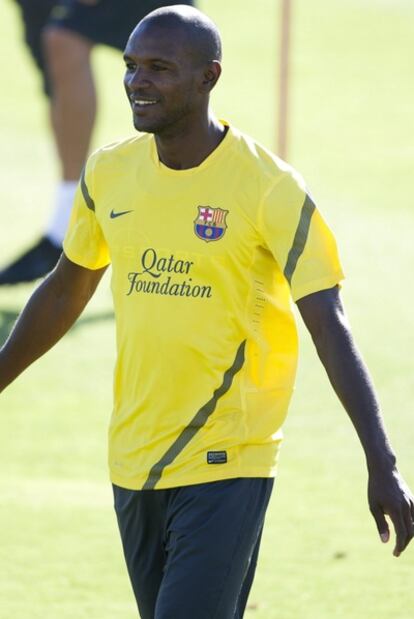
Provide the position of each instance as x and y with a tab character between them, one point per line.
35	263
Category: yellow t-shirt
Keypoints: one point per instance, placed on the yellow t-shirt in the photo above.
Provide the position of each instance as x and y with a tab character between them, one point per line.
205	263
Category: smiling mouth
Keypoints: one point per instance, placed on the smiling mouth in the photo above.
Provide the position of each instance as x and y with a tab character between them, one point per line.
141	103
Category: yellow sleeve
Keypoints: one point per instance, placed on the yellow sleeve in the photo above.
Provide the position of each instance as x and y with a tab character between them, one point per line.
299	238
84	242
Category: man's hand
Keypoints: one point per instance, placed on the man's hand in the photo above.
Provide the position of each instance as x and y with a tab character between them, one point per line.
388	494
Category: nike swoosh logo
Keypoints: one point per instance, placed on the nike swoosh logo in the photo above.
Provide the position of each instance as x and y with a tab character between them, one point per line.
118	214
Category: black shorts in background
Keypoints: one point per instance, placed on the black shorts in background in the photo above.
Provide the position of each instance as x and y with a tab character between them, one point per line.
35	14
108	22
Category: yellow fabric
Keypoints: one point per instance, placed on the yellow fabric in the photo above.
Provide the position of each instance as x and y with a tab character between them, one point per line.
184	304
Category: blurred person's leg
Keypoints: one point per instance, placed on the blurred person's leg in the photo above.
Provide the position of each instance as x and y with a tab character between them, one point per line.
72	112
42	257
63	57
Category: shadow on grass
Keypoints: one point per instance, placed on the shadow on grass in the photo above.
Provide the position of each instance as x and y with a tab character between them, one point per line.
9	317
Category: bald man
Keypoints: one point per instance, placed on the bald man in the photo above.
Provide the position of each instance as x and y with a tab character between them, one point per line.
210	236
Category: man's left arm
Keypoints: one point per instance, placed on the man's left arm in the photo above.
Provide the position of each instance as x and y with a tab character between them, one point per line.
324	317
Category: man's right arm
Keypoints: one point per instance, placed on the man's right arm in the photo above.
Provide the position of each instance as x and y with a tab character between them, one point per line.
50	312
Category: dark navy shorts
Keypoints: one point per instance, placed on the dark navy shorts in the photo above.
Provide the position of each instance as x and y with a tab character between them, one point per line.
191	552
108	22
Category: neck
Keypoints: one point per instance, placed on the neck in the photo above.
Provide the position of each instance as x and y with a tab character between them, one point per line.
187	147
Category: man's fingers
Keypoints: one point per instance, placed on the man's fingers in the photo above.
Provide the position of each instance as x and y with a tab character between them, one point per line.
409	521
404	525
409	524
402	535
390	497
381	523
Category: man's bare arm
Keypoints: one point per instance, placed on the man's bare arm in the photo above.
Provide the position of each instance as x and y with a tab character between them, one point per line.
325	319
50	312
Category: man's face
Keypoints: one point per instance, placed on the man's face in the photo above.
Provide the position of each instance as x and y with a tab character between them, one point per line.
161	79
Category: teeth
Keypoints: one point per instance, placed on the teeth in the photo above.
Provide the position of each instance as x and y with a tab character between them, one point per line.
144	102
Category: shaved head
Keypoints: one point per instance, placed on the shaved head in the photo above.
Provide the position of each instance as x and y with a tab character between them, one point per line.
199	32
172	61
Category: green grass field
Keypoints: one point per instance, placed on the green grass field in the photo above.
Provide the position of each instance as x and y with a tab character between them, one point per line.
352	129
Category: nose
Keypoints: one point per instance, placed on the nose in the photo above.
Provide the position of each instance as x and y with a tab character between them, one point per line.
137	79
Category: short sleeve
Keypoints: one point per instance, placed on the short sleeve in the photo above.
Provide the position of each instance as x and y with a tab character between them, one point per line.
300	240
84	242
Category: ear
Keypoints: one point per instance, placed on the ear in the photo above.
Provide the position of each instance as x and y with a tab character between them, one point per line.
210	76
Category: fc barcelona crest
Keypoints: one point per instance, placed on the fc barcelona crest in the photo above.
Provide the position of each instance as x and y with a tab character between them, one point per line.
210	223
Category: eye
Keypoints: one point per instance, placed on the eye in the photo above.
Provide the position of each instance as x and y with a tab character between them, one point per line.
158	67
130	66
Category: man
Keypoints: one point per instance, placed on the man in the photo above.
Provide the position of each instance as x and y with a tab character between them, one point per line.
61	35
209	236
